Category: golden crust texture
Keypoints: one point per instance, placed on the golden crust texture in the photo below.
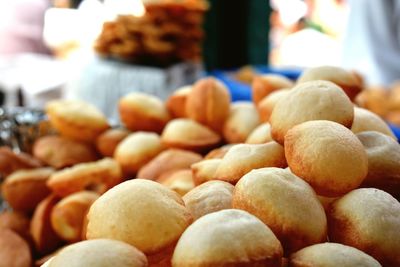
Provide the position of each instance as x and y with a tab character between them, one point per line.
227	238
208	103
98	176
140	212
189	135
348	81
365	120
67	216
60	152
99	252
76	119
24	189
331	255
260	135
109	140
243	158
137	150
242	120
383	162
209	197
167	161
264	85
327	155
285	203
315	100
369	220
143	112
176	103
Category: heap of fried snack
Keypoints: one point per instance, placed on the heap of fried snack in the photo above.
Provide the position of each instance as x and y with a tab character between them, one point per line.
299	177
383	101
170	31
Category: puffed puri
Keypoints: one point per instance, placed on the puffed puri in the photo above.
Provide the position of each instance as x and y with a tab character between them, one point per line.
227	238
99	253
327	155
368	219
331	255
140	212
315	100
284	202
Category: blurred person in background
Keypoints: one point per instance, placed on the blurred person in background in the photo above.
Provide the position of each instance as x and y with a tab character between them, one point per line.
21	26
372	40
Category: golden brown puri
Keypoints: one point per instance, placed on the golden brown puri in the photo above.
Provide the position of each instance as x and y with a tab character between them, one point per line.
189	135
143	112
24	189
76	119
243	158
44	237
60	152
14	251
365	120
11	161
99	253
327	155
208	103
368	219
345	79
242	120
315	100
266	84
108	141
209	197
180	181
137	150
218	153
260	135
67	216
383	162
374	99
140	212
267	104
331	255
166	161
204	170
176	103
16	221
227	238
285	203
98	176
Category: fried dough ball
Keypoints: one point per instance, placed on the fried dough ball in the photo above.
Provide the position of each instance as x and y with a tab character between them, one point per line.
349	82
383	162
76	119
331	255
143	112
266	84
140	212
99	253
285	203
315	100
369	220
227	238
209	197
243	158
327	155
208	103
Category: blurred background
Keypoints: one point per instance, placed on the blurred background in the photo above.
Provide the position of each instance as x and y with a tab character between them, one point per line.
98	50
